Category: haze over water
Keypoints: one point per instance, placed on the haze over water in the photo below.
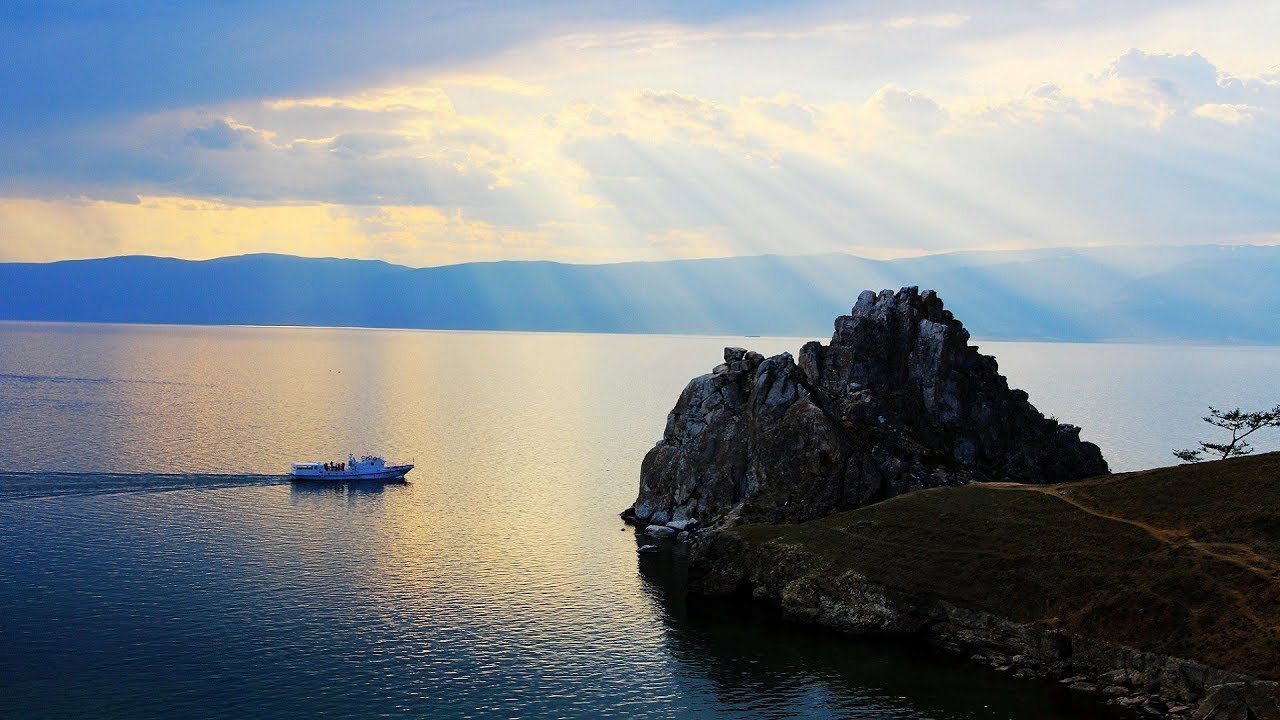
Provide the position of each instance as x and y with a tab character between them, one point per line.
157	564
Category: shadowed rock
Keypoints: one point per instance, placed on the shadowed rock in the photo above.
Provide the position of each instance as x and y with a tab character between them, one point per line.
898	401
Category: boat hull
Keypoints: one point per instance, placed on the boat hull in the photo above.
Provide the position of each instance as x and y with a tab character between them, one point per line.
389	473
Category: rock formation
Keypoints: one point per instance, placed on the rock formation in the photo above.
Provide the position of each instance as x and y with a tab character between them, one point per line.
1154	684
898	401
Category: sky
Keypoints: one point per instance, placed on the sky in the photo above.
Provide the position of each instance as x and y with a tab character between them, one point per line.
434	133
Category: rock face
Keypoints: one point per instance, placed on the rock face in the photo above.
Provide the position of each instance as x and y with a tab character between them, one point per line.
660	531
807	591
898	401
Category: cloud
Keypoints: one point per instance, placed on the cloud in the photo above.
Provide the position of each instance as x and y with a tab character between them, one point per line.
494	83
368	144
1172	84
797	115
749	131
1176	78
1226	113
683	110
579	116
948	20
911	111
411	99
1035	105
221	134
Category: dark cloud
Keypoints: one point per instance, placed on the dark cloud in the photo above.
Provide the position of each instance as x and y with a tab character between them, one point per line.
65	62
219	159
69	61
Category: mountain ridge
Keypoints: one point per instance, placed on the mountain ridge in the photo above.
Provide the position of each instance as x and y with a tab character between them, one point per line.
1175	293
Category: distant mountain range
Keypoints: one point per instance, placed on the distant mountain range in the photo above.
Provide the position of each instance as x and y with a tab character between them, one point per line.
1198	293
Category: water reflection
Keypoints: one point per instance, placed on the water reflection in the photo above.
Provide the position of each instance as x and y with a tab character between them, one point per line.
277	592
763	666
349	488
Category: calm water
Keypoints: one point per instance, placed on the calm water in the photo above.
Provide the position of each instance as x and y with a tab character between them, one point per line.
155	564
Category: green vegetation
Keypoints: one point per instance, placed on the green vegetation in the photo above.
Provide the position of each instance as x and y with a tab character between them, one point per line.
1183	561
1240	424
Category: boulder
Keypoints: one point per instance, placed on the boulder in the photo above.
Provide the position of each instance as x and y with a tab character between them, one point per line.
1241	701
897	401
659	531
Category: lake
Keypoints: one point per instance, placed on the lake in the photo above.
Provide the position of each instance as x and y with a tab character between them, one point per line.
157	564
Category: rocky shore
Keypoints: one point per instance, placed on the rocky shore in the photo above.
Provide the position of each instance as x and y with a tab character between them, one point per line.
892	483
860	587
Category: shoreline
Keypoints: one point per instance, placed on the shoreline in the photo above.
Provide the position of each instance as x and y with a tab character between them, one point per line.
1122	678
1140	590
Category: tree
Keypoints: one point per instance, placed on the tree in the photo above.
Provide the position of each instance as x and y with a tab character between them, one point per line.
1240	424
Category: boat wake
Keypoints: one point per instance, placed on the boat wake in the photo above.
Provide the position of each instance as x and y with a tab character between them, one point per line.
31	485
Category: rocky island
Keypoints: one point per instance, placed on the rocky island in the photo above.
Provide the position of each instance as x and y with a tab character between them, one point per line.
891	482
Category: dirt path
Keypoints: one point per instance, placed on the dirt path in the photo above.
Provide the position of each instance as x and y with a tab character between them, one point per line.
1240	555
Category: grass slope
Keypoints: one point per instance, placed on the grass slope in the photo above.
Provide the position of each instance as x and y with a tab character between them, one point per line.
1182	561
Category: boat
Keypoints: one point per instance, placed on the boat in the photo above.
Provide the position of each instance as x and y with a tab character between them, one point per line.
369	467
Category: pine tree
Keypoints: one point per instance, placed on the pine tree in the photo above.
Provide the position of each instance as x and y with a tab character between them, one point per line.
1240	424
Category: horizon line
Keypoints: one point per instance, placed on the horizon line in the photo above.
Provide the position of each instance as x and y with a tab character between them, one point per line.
944	253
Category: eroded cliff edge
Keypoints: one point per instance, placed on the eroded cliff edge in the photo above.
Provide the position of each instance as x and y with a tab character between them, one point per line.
1158	591
897	401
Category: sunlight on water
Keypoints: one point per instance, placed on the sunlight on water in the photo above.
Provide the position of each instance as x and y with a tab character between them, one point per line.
158	565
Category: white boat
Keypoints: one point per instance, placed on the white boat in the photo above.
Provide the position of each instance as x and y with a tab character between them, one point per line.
369	467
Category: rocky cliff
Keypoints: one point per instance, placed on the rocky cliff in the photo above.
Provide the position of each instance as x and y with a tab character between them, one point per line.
848	601
1158	591
898	401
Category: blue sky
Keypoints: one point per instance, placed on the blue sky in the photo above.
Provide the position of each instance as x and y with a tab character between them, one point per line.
592	132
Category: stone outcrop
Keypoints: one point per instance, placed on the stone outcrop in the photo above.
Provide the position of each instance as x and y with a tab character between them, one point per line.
803	590
898	401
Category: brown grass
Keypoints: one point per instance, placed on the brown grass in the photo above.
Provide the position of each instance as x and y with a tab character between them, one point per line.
1183	561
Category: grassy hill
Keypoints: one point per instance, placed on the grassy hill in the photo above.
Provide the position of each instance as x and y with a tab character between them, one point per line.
1181	561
